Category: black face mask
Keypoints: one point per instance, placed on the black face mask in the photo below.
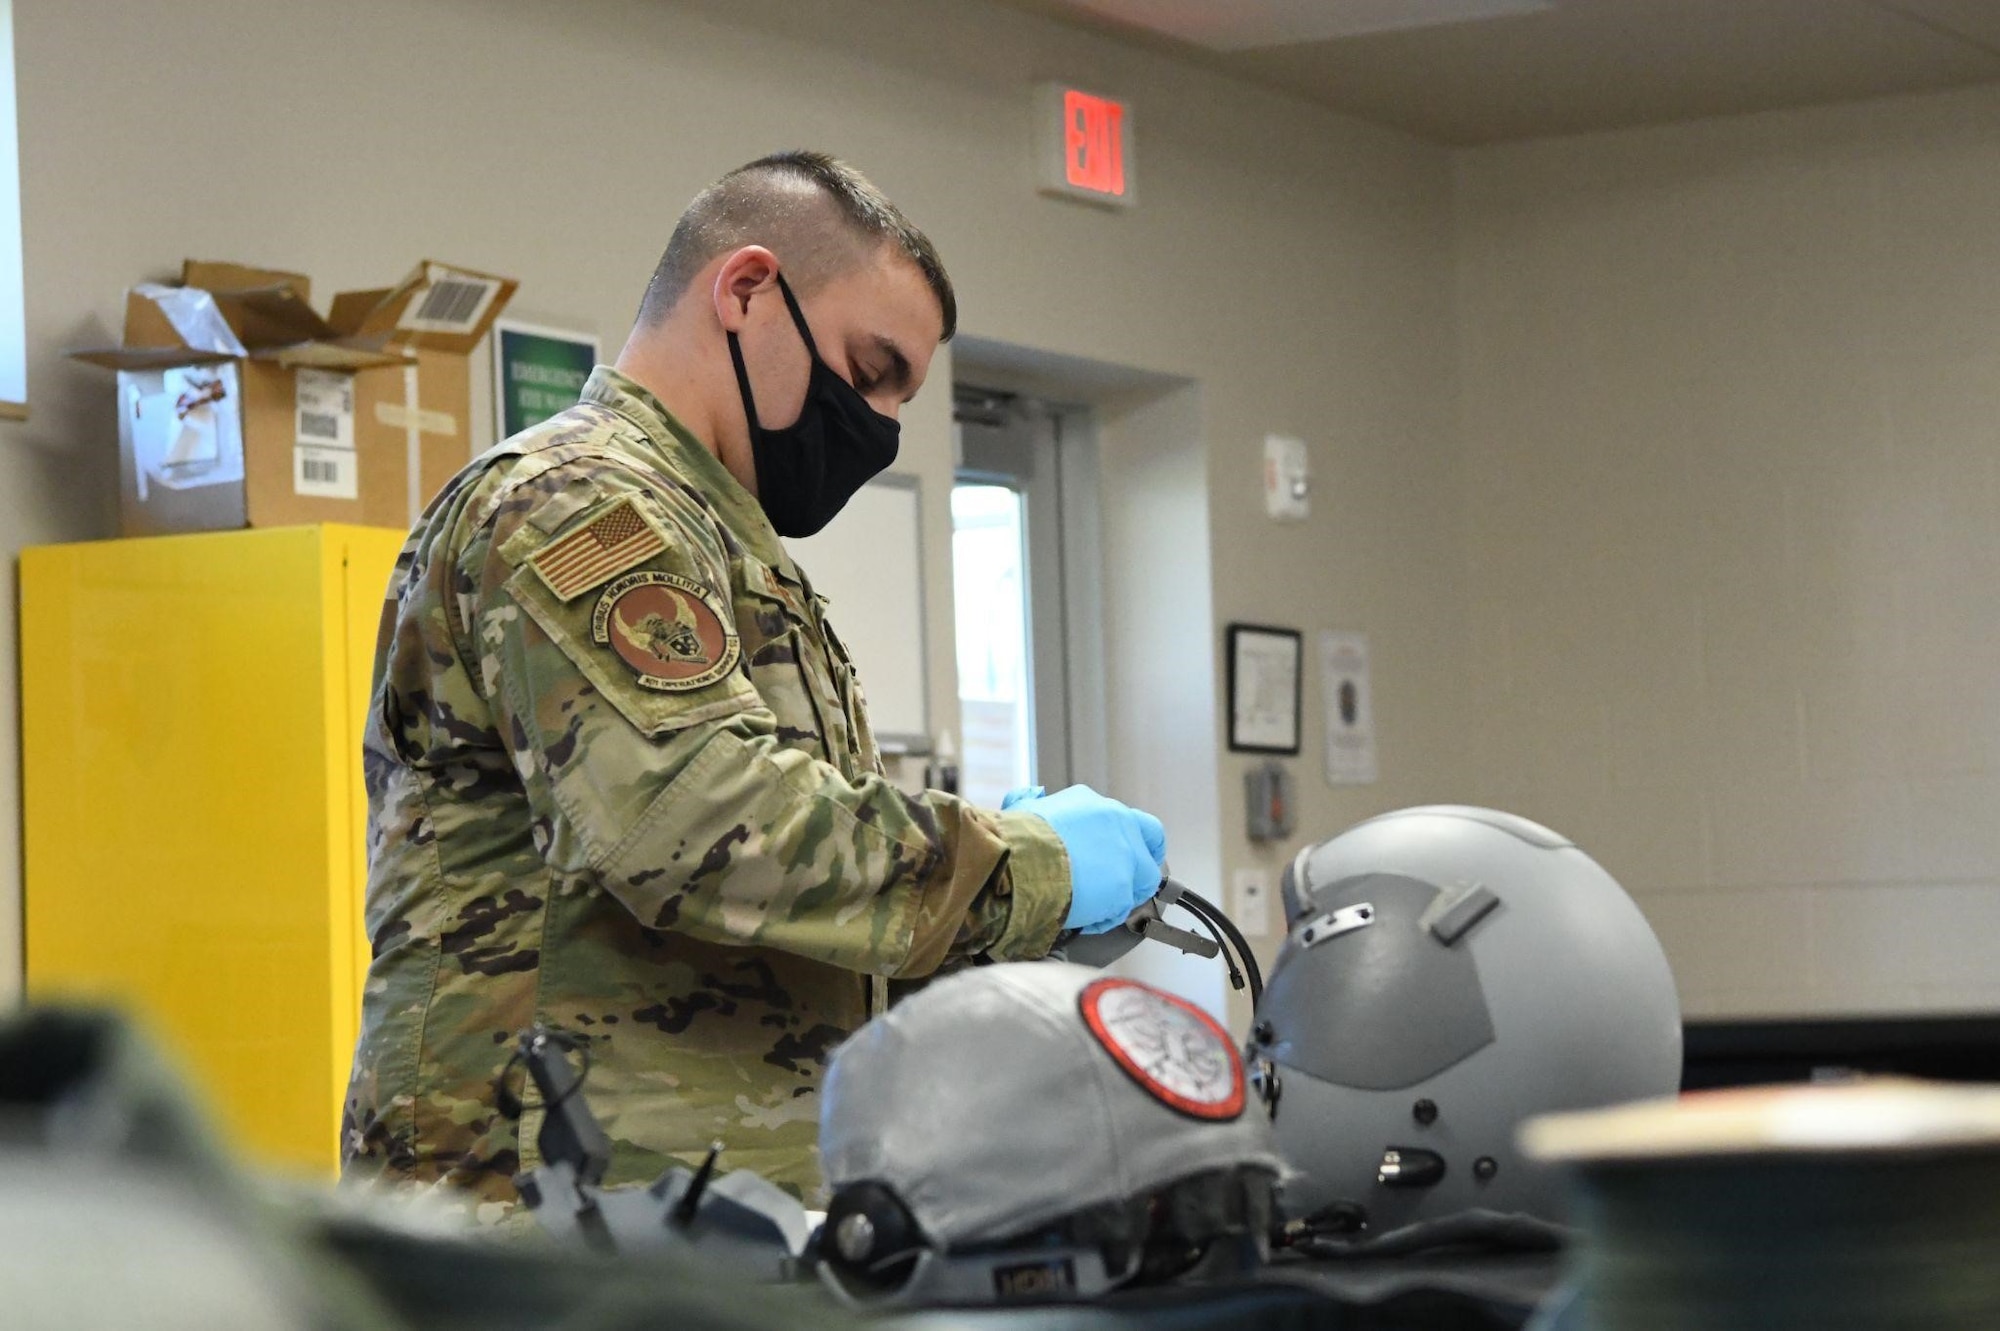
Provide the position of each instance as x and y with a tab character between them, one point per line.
807	471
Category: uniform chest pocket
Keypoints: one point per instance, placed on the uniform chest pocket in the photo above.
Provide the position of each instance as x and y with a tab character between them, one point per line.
789	664
848	681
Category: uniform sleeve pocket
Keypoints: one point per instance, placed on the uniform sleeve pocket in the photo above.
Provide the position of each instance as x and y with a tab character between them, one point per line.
656	644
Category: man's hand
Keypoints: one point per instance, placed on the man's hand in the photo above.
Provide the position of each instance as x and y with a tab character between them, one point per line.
1116	853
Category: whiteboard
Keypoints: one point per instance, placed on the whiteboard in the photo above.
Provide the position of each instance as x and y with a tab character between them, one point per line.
13	328
868	563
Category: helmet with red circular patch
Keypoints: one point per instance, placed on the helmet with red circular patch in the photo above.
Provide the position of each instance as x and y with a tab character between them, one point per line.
1040	1130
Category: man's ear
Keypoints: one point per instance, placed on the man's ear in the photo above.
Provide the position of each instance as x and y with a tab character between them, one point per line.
750	271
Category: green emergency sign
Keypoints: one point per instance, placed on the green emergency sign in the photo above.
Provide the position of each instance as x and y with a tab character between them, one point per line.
538	372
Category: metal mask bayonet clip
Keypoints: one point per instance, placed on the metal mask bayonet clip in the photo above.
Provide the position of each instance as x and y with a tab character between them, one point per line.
1334	923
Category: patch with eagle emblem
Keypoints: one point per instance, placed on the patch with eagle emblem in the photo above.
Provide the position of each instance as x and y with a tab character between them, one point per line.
667	629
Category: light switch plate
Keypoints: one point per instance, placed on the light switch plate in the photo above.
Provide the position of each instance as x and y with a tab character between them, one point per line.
1287	479
1250	902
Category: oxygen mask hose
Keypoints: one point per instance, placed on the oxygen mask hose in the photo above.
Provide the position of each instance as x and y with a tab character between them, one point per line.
1221	927
1219	936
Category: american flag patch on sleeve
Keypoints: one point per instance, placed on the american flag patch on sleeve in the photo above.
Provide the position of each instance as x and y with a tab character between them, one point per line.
593	555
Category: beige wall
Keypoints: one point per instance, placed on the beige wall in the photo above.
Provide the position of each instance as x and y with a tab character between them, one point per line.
1731	414
1659	466
1293	264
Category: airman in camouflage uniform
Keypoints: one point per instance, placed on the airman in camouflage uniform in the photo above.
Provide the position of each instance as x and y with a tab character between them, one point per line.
700	879
620	773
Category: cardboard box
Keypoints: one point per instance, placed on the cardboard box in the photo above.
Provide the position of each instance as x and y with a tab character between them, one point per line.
421	413
240	406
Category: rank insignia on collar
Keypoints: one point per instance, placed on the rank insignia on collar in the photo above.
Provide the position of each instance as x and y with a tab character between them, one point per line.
612	542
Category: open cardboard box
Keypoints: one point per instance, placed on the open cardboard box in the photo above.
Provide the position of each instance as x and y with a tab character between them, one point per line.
239	405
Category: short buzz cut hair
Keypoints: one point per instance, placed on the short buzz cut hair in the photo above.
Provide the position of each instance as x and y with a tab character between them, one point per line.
819	215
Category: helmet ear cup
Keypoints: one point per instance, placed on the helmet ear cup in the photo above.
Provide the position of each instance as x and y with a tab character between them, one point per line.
870	1237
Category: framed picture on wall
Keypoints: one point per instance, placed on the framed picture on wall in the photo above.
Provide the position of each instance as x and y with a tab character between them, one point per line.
1264	688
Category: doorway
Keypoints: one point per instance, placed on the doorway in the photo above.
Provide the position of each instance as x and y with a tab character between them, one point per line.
1023	560
1112	600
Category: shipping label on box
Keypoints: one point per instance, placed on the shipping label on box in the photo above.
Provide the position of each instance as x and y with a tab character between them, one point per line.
454	302
324	465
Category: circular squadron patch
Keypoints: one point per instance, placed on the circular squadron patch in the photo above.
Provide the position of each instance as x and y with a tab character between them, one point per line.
667	628
1174	1050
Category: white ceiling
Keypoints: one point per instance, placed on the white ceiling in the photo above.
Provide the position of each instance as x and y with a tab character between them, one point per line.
1242	25
1481	71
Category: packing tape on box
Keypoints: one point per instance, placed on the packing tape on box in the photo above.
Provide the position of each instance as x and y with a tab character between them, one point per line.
415	423
397	417
413	442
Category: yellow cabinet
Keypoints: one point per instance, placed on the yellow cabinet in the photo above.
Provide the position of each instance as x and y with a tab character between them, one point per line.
194	812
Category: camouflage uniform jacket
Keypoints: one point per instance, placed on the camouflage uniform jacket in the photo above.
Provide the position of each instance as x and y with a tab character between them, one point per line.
621	780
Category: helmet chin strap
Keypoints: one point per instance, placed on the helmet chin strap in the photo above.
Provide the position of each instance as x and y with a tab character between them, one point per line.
1475	1230
1025	1275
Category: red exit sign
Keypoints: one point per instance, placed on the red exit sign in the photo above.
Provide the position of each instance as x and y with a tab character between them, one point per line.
1085	145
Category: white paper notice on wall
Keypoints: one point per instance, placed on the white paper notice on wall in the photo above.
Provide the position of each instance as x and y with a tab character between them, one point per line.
1349	699
323	460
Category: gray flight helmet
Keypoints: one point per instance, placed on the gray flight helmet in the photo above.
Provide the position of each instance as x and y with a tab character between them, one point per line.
1448	973
1019	1132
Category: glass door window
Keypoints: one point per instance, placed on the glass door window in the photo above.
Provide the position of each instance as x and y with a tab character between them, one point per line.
995	661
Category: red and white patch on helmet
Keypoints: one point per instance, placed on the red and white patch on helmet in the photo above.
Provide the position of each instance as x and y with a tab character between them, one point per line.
1176	1052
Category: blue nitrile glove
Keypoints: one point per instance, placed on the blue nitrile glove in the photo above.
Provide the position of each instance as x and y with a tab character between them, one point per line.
1116	853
